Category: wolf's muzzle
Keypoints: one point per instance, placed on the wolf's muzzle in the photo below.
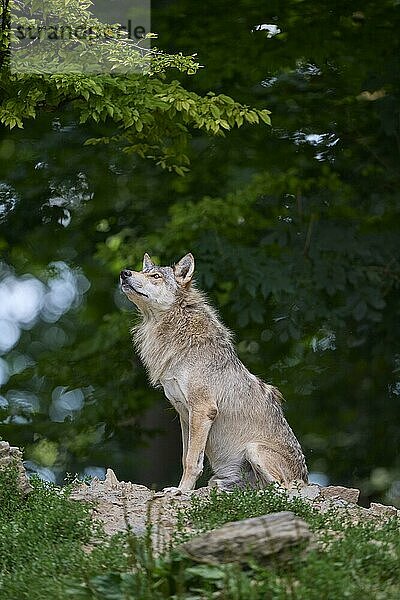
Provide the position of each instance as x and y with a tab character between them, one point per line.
127	285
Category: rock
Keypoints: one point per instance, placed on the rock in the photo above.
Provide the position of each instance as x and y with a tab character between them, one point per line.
306	492
385	511
312	492
116	503
338	491
9	456
120	505
111	482
257	538
338	502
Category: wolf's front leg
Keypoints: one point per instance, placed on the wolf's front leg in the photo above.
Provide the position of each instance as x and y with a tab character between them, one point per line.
202	413
185	439
201	418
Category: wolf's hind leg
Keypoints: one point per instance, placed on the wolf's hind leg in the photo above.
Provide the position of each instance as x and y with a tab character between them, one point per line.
237	474
267	464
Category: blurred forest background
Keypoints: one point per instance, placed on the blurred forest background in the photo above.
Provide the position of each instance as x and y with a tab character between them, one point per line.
295	229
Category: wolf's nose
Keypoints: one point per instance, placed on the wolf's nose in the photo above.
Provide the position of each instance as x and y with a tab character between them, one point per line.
126	273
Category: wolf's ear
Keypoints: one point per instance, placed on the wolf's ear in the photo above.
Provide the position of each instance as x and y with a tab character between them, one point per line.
183	270
147	262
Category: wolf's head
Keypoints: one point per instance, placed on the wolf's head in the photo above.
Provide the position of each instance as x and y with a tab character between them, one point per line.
157	288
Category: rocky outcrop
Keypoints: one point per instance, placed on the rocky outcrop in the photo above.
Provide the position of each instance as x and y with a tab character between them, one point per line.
120	505
342	498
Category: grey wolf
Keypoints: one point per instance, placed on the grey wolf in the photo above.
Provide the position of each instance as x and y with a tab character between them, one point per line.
225	412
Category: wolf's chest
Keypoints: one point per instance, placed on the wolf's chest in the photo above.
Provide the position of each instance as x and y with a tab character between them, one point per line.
175	392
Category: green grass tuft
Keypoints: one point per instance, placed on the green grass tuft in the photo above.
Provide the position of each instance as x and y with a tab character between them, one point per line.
223	507
10	498
43	539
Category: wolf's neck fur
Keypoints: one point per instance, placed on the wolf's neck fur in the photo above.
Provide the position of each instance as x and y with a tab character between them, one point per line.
165	338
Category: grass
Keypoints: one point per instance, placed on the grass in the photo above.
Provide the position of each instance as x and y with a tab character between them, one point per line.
50	550
43	541
352	561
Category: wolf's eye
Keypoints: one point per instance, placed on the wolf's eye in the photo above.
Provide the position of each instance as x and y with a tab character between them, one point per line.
156	276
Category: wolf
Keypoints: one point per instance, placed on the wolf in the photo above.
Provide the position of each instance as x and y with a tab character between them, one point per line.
225	412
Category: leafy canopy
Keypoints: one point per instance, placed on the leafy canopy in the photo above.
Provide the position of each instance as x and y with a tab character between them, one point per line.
150	115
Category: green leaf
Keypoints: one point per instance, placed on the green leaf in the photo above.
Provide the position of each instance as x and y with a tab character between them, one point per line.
208	572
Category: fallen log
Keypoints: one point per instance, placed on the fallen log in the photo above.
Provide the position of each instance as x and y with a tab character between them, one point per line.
259	538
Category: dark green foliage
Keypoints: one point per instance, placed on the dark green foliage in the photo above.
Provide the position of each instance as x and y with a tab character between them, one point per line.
150	117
